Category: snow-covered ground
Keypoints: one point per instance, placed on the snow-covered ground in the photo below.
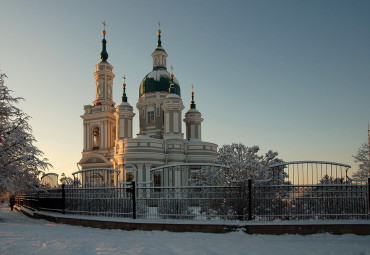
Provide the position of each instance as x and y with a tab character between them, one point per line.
22	235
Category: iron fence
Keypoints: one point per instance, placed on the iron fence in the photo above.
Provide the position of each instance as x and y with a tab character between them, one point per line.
100	201
330	201
206	202
30	201
245	201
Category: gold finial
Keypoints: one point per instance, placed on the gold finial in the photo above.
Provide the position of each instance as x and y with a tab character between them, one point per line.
124	80
192	89
104	24
171	75
159	28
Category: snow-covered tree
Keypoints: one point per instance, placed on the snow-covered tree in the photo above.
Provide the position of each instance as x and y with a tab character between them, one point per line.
20	163
244	163
66	179
363	161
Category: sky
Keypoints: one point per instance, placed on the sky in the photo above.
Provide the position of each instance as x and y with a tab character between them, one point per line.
291	76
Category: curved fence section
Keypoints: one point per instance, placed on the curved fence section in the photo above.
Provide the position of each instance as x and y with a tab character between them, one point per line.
95	177
312	190
313	172
305	190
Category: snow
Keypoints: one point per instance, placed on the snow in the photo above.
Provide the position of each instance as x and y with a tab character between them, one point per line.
193	140
172	95
124	104
142	137
159	73
22	235
236	223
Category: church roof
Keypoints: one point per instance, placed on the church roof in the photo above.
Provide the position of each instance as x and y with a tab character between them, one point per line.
158	80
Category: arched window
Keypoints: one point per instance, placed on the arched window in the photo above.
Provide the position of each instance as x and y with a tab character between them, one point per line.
151	117
95	138
157	182
96	179
130	177
114	133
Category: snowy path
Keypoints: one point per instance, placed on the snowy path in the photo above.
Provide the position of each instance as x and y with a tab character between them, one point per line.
22	235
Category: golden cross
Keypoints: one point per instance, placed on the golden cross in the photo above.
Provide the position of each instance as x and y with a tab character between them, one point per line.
124	78
159	25
171	68
192	88
104	24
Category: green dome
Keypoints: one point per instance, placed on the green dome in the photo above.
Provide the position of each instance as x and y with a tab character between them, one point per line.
158	80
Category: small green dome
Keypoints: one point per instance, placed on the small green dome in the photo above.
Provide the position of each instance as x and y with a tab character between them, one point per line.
158	80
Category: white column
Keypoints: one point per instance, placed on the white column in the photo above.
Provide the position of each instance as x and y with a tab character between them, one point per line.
147	174
129	126
167	124
175	122
139	173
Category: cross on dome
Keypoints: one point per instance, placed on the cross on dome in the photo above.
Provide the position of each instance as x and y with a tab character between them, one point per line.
171	75
104	24
124	96
159	43
192	103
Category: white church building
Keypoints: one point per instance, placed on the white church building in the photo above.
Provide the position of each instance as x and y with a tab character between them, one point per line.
108	140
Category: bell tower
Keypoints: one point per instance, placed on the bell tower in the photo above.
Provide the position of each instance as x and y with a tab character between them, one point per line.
103	77
99	126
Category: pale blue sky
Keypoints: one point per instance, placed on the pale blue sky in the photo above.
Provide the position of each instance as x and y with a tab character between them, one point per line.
292	76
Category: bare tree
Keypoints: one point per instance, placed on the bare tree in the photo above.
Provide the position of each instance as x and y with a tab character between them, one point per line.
66	179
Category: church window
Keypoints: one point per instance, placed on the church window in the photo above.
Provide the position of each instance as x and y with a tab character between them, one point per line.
114	133
96	138
157	181
129	177
111	178
150	117
95	179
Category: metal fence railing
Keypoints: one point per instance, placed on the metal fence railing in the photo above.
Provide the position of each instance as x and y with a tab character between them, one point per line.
99	201
206	202
331	201
244	201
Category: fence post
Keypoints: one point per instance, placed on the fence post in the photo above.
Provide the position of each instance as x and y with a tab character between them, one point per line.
63	198
249	199
38	202
133	199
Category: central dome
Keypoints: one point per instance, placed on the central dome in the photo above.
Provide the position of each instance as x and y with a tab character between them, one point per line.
158	80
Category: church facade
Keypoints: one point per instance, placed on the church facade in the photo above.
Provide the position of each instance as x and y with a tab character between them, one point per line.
108	140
